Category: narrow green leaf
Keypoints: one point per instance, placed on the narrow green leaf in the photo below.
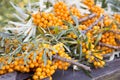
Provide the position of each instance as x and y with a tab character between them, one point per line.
41	30
106	28
34	56
10	49
18	50
99	36
26	57
25	61
48	4
75	19
86	39
103	3
20	37
28	18
98	51
61	34
74	50
89	45
70	42
9	31
1	64
87	73
67	48
82	35
44	57
80	57
72	28
50	55
2	42
79	51
10	59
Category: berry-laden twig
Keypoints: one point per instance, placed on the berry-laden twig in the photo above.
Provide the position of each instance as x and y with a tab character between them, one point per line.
114	31
86	18
72	62
92	25
110	46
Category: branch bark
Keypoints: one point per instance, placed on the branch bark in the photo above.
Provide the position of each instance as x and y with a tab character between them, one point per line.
110	46
72	62
92	25
114	31
46	78
86	18
95	23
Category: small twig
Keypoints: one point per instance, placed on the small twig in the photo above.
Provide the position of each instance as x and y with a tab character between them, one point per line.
110	46
86	18
114	31
107	55
92	25
72	62
95	23
46	78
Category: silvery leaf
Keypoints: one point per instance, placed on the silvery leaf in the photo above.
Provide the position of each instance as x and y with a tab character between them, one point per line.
29	35
18	17
20	11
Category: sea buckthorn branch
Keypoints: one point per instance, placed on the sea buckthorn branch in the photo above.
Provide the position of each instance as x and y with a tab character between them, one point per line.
114	31
72	62
92	25
110	46
86	18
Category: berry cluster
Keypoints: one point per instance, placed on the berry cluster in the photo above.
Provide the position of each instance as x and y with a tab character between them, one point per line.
34	62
